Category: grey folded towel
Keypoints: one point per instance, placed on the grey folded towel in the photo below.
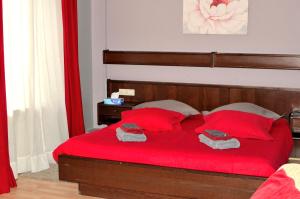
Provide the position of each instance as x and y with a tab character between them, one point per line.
124	136
219	144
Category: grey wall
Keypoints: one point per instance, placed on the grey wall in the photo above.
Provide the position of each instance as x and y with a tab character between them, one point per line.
85	60
98	21
157	26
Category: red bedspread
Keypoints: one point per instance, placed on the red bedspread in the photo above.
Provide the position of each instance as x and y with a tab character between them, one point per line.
182	149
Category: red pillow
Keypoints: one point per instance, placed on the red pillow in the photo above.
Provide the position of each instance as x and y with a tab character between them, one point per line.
153	119
238	124
191	122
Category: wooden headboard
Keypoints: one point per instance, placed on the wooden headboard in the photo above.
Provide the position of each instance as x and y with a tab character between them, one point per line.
208	97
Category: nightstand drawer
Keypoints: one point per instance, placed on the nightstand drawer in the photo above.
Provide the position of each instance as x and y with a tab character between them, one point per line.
108	119
296	122
113	110
108	114
295	126
295	155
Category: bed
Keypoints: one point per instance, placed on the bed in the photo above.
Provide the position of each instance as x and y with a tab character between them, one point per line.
128	177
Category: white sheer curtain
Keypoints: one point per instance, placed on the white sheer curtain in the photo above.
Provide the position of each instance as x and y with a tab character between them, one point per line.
34	67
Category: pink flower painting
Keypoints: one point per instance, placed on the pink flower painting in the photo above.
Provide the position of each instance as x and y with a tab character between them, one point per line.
215	16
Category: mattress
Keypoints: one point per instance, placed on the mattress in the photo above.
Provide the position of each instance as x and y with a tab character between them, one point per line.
182	149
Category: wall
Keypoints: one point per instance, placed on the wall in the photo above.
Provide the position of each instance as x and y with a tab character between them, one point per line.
98	21
92	41
157	26
85	59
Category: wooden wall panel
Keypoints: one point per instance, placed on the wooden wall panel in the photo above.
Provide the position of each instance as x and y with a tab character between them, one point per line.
214	97
164	92
227	60
264	61
190	94
242	95
208	97
157	58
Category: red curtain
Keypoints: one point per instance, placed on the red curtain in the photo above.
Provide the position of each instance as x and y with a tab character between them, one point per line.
7	179
72	78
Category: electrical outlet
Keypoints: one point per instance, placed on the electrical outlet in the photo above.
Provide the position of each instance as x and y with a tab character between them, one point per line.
127	92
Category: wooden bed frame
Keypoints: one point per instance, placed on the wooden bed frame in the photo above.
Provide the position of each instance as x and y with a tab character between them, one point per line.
120	180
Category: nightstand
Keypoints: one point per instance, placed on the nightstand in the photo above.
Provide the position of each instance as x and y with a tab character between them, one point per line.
295	156
295	128
295	124
108	114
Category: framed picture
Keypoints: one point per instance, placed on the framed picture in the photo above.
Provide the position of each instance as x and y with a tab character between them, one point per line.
215	16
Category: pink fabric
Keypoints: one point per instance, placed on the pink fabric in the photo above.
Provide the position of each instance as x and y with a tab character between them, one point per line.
182	149
7	179
238	124
278	186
